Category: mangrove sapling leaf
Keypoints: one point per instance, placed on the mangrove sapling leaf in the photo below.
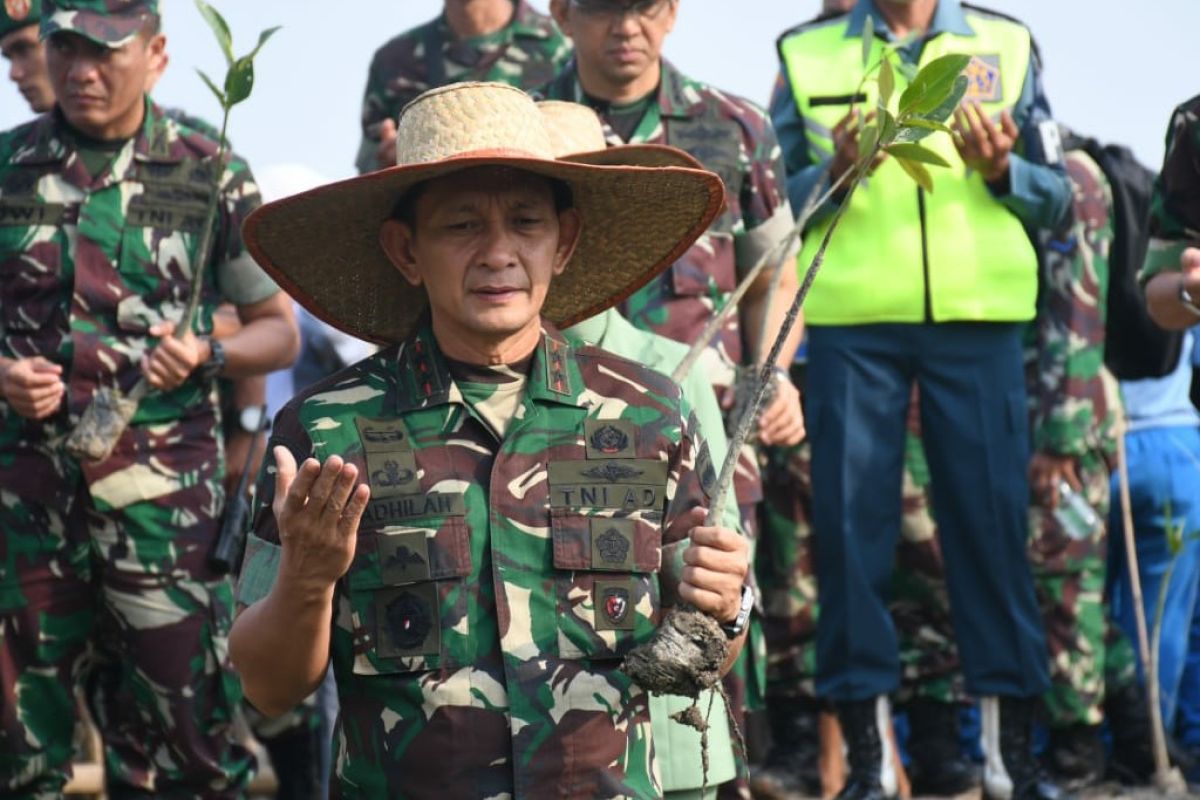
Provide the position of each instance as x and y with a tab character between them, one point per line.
917	172
933	84
915	152
220	29
868	38
212	86
239	81
887	82
945	108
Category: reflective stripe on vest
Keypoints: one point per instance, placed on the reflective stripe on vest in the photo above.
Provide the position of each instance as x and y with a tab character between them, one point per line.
900	254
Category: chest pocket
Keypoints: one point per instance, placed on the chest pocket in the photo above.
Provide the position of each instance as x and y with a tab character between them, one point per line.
708	267
31	280
606	526
163	226
406	596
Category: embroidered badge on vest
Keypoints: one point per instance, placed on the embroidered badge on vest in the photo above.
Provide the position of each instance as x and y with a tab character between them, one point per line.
614	605
612	544
609	438
406	621
983	79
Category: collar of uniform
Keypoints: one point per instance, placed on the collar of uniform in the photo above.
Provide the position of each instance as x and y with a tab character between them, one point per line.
156	142
425	379
48	141
159	142
676	97
947	18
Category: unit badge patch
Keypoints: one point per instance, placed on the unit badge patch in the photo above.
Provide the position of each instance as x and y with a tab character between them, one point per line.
406	621
614	605
609	438
17	10
983	79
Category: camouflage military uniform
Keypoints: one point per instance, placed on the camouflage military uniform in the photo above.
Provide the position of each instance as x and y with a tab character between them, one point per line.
115	550
525	54
499	578
733	138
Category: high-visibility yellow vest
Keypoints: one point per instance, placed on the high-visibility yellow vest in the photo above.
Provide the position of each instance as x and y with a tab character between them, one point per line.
901	254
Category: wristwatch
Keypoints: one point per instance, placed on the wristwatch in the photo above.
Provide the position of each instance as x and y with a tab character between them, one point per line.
251	419
1186	299
211	369
738	626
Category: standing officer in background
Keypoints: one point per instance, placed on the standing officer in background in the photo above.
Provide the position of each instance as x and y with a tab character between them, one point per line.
619	71
101	205
932	288
22	49
472	40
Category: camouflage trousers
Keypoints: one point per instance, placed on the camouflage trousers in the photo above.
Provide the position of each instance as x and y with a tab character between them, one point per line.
118	604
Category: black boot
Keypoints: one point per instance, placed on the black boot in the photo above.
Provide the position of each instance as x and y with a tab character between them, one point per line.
1132	759
1015	774
938	765
1075	756
790	768
865	726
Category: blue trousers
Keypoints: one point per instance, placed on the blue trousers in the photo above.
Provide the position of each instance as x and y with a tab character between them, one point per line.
1164	476
974	423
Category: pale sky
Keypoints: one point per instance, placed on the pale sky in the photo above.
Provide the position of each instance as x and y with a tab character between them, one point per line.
1113	69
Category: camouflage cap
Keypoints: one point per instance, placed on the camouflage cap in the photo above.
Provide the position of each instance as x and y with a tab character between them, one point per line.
19	14
112	23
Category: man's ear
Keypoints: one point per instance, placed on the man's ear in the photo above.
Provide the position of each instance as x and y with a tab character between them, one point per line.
570	226
396	239
558	10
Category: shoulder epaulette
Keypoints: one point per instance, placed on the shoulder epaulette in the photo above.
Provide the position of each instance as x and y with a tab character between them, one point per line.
824	18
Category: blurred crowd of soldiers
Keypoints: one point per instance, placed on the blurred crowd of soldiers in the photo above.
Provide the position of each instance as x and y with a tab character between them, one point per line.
935	558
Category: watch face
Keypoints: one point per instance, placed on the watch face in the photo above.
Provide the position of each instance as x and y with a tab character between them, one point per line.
250	419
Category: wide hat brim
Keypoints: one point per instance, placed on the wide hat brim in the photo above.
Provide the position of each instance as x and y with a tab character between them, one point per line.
322	246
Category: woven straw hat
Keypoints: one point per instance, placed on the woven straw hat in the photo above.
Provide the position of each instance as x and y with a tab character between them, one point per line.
577	134
322	246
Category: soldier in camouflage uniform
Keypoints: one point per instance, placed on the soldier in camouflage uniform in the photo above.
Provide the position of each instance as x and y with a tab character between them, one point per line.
646	100
22	49
1073	411
101	203
526	507
484	40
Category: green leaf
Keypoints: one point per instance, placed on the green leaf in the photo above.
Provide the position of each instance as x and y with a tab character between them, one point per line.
915	152
910	134
946	108
918	173
933	84
219	28
262	39
209	82
239	81
868	137
929	125
887	82
887	127
868	38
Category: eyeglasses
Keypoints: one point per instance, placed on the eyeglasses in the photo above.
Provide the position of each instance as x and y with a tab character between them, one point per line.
612	9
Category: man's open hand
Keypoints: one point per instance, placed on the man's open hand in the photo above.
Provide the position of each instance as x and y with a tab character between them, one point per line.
716	565
317	509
